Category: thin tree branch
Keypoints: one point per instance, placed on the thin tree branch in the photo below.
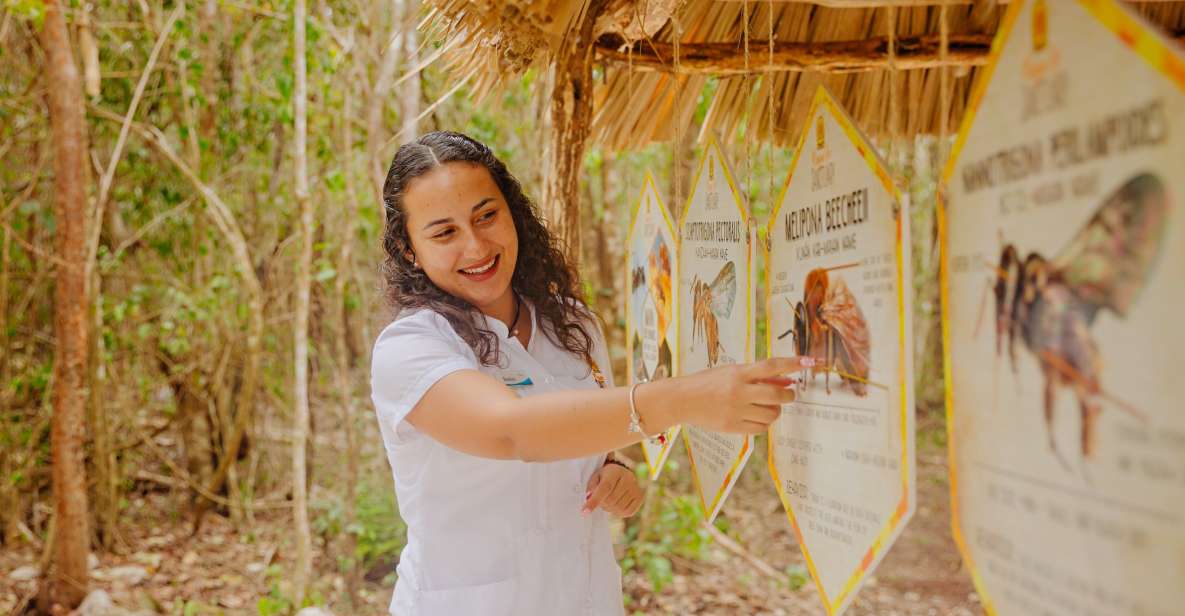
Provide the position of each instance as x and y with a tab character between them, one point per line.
150	225
92	247
732	546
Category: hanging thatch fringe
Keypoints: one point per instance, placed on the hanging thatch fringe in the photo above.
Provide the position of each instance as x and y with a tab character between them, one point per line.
840	44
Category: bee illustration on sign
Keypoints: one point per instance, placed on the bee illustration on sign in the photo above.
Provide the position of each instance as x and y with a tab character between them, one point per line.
1052	304
830	327
1040	25
710	303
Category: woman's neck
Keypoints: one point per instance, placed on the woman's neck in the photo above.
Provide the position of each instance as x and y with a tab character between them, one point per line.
503	309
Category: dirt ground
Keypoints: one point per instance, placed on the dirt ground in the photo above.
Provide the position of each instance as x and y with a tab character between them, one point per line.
225	570
922	575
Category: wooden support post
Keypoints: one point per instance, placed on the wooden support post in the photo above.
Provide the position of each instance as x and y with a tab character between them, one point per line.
571	117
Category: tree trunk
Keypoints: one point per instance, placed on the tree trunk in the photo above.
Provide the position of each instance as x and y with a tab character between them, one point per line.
65	583
210	50
589	217
607	262
102	457
375	130
409	92
342	352
196	434
300	429
8	491
571	115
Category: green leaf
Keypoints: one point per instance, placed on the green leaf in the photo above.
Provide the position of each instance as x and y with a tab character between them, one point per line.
270	606
659	571
33	10
335	181
325	274
797	576
284	85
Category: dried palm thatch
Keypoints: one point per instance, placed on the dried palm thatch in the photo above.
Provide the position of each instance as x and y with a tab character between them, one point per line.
865	51
489	40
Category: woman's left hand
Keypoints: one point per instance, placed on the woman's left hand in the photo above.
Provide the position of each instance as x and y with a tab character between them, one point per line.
615	489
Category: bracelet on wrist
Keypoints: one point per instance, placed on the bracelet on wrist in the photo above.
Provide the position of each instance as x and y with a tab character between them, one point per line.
636	420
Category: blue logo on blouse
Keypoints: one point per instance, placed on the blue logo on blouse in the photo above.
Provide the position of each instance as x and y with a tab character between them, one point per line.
521	384
516	379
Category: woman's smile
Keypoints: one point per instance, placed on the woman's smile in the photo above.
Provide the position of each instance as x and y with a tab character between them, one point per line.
482	271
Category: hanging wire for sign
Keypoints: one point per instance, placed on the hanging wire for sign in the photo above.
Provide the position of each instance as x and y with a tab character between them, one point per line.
748	86
769	111
944	104
629	105
894	112
675	160
943	82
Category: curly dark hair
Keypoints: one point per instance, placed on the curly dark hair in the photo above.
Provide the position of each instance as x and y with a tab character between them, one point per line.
542	275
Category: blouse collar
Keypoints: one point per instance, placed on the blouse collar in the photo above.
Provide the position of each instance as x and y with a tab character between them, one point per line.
499	328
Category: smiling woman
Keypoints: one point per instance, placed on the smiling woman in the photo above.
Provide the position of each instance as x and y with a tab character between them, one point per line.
463	209
493	410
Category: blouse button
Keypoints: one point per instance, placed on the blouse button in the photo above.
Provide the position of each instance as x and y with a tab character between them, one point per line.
549	380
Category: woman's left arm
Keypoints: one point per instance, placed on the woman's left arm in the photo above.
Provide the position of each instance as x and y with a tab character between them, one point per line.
614	488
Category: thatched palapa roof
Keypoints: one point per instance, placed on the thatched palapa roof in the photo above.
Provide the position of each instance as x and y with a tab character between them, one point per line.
657	55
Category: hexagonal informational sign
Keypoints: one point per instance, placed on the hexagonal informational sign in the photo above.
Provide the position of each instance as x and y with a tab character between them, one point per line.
842	455
652	334
715	312
1063	236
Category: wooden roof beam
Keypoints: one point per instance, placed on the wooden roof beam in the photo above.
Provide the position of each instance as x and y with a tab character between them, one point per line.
827	57
877	4
861	4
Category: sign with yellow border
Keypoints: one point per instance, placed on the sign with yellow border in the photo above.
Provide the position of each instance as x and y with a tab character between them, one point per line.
652	331
842	455
715	312
1063	276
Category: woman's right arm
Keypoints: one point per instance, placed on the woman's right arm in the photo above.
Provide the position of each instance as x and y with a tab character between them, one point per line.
474	413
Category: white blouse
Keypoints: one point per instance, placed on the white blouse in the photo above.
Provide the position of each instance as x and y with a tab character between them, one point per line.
484	536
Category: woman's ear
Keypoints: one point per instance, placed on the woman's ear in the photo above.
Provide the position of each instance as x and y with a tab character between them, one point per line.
411	258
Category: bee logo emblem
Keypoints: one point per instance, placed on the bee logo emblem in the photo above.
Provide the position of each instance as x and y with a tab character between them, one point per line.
1040	25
